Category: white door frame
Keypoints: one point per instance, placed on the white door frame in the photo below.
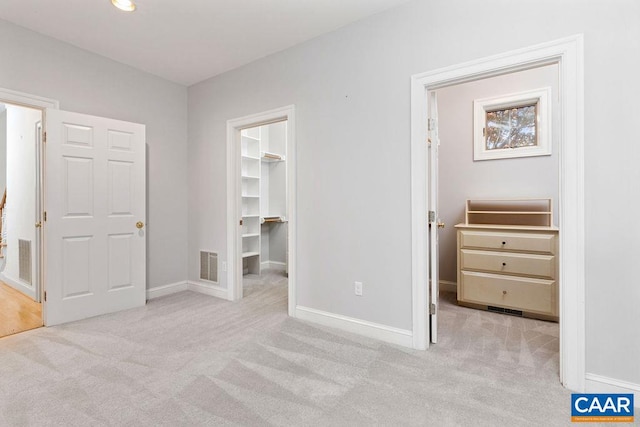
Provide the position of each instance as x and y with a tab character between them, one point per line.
39	103
568	54
234	244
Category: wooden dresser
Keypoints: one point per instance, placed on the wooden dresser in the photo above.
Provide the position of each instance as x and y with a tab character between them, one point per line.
508	257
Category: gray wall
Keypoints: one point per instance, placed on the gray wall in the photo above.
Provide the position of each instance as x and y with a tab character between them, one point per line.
351	91
87	83
460	178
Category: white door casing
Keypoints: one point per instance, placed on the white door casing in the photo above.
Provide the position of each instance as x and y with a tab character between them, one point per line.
39	103
234	210
95	255
568	53
434	266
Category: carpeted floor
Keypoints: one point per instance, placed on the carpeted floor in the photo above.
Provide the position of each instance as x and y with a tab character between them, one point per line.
188	359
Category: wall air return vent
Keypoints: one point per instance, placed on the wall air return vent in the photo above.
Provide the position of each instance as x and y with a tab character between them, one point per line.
209	266
24	260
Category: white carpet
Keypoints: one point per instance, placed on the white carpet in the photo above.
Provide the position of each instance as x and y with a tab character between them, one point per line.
188	359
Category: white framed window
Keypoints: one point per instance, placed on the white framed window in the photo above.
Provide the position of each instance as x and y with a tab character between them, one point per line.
513	125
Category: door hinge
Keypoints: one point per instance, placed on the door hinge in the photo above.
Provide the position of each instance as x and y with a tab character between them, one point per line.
431	124
44	215
432	309
45	295
432	216
241	222
44	137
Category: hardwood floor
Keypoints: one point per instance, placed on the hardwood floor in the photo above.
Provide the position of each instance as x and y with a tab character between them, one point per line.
18	313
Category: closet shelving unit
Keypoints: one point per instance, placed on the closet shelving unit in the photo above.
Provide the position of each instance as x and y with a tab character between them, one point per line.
250	151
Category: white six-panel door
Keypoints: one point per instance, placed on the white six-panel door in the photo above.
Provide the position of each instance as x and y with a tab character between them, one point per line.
95	234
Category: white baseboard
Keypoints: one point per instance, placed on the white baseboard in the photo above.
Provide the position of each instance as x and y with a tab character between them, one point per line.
171	288
19	286
448	286
599	384
385	333
208	289
274	265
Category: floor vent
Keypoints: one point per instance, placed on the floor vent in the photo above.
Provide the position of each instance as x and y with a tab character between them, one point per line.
24	260
209	266
505	310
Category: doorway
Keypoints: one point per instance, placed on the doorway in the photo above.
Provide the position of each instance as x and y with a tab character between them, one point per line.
20	227
568	55
261	225
513	299
263	156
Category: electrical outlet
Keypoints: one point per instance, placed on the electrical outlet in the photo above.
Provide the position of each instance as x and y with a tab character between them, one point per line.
358	288
224	265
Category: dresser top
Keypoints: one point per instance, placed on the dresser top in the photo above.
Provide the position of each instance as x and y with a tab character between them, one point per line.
507	227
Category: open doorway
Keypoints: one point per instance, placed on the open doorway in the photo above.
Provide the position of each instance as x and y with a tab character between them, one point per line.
264	208
261	200
567	53
498	273
20	261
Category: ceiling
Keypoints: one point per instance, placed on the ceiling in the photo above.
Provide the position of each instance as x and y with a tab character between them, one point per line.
187	41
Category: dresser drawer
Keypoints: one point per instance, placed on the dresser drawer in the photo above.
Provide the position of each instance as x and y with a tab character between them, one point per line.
521	242
508	263
518	293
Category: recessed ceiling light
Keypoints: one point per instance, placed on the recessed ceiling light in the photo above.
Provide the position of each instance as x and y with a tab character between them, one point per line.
126	5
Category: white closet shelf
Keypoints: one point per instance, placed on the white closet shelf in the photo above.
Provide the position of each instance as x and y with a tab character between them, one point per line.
255	138
250	177
244	156
272	218
246	196
250	215
271	157
250	235
249	254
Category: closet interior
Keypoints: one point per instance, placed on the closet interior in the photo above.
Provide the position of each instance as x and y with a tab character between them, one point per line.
264	198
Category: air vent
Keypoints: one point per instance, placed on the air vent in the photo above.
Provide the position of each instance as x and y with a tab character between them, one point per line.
209	266
24	260
505	310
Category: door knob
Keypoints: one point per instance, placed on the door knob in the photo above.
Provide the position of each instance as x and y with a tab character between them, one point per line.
38	224
139	224
441	225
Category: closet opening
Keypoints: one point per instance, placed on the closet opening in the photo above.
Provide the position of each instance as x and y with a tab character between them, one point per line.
567	55
20	227
261	221
264	208
497	221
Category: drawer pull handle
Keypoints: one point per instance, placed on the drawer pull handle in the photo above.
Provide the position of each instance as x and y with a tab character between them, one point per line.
504	264
504	292
504	243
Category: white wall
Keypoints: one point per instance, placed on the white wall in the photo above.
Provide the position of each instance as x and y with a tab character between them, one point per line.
351	91
462	178
21	192
3	149
88	83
